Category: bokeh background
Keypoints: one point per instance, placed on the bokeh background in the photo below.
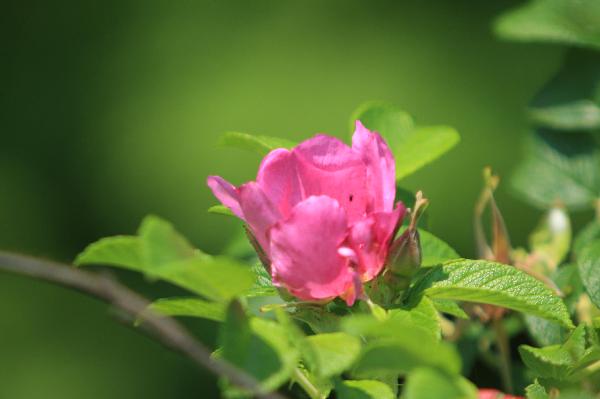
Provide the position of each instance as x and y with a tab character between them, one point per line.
110	110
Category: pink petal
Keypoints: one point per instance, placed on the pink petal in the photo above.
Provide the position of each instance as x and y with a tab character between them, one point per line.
355	291
381	168
259	212
278	178
226	193
370	238
327	166
304	250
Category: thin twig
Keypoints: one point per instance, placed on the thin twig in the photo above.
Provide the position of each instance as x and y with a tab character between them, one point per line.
504	349
165	330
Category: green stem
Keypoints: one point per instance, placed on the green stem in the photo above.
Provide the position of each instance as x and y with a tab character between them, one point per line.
308	387
504	348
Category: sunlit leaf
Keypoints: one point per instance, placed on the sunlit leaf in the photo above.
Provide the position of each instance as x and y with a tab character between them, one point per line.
397	346
536	391
449	307
220	210
189	307
556	361
426	383
120	251
257	346
162	243
363	389
413	146
258	144
323	386
219	278
492	283
434	250
424	315
160	252
157	244
331	354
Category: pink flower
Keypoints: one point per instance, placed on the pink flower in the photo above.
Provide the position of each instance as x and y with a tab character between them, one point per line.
495	394
322	212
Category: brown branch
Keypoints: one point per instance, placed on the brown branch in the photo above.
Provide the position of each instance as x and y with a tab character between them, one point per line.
165	330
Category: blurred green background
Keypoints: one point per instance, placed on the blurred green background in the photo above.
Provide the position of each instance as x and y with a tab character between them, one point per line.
110	110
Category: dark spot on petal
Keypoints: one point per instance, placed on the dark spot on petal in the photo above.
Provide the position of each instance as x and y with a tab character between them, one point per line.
351	197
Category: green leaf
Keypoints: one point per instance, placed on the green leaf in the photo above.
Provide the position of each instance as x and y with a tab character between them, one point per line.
536	391
545	332
588	234
220	210
566	277
190	307
363	389
571	100
425	383
413	147
263	278
323	386
121	251
449	307
434	250
556	361
575	115
588	262
562	21
157	244
218	278
261	145
492	283
160	252
331	354
162	243
551	240
397	346
424	315
257	346
318	319
424	145
560	167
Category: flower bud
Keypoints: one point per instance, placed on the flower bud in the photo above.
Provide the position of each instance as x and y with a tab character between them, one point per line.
405	254
500	248
551	240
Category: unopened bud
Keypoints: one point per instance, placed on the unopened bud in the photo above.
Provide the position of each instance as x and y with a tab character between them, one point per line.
500	249
551	240
405	254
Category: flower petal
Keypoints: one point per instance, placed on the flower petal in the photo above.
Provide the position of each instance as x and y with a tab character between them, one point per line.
259	212
380	166
278	178
327	166
226	193
304	250
370	238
